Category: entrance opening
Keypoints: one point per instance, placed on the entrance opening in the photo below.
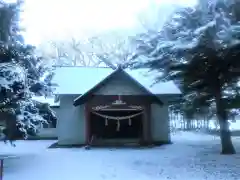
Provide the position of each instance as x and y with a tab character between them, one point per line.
107	128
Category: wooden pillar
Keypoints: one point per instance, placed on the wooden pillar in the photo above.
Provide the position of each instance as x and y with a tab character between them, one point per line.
149	129
146	126
87	124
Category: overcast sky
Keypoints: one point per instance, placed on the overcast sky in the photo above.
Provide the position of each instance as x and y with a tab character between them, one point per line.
44	19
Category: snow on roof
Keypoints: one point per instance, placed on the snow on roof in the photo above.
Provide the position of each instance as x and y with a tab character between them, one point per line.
147	79
48	100
79	80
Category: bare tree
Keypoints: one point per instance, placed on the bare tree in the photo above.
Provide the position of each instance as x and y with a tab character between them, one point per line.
113	49
71	52
107	49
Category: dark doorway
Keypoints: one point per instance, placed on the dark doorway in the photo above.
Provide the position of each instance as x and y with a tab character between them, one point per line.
128	129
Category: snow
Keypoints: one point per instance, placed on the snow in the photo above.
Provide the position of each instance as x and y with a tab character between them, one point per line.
202	29
10	73
147	79
192	156
79	80
49	100
234	126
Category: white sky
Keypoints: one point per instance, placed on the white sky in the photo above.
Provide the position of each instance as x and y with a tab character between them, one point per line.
45	19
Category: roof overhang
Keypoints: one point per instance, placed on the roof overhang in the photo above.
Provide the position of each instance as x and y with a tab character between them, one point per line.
84	98
55	106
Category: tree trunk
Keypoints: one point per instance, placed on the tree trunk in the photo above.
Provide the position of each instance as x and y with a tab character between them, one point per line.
188	124
225	134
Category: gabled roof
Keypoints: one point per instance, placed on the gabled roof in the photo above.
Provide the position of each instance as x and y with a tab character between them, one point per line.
79	80
82	98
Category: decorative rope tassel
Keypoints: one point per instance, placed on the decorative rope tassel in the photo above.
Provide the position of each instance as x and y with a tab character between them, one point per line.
118	125
106	122
129	122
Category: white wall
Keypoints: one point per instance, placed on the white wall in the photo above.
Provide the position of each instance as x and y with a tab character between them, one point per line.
160	123
71	122
47	133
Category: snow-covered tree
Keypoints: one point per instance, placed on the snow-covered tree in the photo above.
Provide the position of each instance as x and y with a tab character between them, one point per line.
199	48
22	74
112	48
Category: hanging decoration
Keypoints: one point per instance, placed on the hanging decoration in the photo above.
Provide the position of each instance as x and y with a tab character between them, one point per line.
116	104
119	101
118	125
96	110
129	121
99	108
136	107
106	122
117	117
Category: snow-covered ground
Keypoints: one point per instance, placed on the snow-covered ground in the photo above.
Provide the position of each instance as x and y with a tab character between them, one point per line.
192	156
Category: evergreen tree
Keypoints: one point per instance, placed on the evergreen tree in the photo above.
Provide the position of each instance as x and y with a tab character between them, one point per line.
22	75
199	48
